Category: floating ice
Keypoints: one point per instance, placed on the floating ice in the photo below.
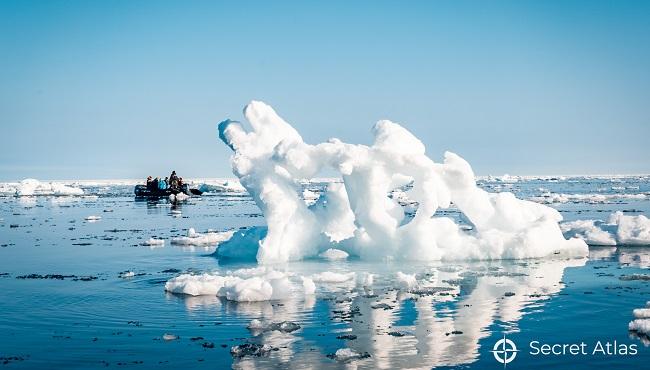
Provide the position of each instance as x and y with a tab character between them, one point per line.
334	254
641	323
589	231
194	238
245	285
284	326
359	217
30	187
180	197
618	230
93	218
154	242
169	337
348	354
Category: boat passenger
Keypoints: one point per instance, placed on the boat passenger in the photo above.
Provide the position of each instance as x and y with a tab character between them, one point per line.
173	180
149	182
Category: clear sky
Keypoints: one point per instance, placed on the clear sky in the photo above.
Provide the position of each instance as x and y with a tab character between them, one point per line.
125	89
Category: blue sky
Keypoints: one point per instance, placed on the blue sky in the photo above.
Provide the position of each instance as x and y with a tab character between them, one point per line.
124	89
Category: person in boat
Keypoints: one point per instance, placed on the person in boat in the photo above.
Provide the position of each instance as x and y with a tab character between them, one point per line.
154	183
149	182
180	183
163	183
173	180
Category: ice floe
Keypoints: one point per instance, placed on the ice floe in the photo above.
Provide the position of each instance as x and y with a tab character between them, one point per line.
209	238
245	285
154	242
360	217
619	229
641	323
30	187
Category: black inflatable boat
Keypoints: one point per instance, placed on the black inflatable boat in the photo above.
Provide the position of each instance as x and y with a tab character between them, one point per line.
143	191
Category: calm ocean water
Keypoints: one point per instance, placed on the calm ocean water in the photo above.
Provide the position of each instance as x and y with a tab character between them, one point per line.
65	304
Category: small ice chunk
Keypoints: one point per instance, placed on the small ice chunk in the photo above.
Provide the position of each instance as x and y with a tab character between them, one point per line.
93	218
632	230
334	254
348	354
641	313
169	337
126	274
284	326
154	242
640	326
194	238
250	349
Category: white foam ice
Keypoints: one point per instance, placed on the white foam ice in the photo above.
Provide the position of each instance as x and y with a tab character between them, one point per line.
406	281
619	229
154	242
641	323
209	238
589	231
359	217
32	187
93	218
246	285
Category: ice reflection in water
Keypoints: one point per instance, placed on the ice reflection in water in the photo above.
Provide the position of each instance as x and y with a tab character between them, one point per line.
440	323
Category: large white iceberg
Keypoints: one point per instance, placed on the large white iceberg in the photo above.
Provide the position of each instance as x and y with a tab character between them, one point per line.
359	217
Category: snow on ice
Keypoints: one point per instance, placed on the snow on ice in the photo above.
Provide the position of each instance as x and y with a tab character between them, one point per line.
359	217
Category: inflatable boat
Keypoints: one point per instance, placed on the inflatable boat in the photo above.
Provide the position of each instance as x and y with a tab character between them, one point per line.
142	191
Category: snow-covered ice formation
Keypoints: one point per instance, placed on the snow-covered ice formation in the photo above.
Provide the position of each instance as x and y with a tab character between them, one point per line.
619	229
358	216
194	238
244	285
30	187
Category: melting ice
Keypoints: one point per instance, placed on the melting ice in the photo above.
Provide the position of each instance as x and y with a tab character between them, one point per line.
357	216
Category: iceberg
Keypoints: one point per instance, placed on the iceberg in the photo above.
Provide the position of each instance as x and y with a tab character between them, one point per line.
359	217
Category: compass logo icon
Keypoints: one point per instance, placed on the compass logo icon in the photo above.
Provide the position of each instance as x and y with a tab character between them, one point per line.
504	351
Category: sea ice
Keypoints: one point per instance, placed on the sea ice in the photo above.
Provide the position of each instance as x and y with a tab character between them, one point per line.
93	218
154	242
359	217
194	238
245	285
30	187
619	229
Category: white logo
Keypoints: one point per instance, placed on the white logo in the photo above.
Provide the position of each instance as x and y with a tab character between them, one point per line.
504	351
